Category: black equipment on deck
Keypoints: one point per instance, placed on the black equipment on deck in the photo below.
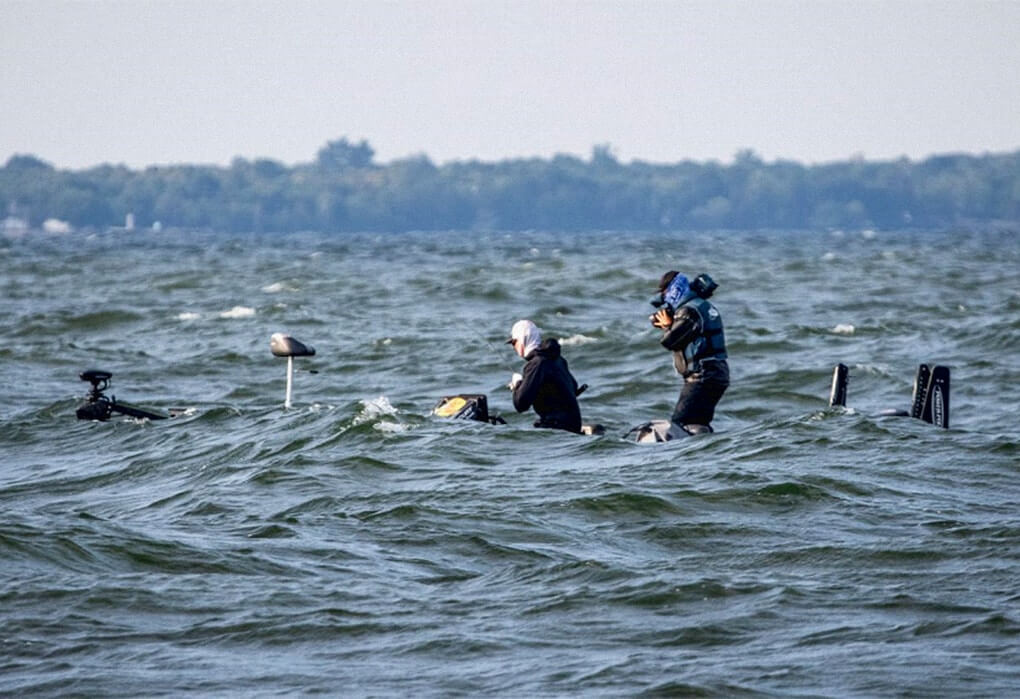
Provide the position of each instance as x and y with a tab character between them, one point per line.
930	400
931	395
467	406
837	396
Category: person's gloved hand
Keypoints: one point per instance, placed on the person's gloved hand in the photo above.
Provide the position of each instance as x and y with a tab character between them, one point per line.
515	381
662	319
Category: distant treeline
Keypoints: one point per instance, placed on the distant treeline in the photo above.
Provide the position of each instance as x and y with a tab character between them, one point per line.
345	190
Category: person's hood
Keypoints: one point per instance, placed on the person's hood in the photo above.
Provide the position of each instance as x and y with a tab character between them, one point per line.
550	349
526	331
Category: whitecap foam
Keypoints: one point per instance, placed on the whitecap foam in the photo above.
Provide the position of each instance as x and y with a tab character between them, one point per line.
577	340
374	409
189	315
378	406
320	407
238	312
844	329
277	287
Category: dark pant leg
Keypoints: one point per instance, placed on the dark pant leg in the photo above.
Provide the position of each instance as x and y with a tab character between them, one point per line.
700	394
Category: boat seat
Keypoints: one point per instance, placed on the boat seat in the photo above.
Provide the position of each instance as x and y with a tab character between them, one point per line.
286	346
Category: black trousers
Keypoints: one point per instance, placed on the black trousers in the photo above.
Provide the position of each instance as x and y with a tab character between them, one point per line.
701	392
558	421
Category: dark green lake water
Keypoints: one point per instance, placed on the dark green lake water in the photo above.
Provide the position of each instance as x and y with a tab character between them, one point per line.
355	545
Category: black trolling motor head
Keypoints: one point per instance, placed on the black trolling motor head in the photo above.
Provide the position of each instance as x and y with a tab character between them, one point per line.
97	406
99	379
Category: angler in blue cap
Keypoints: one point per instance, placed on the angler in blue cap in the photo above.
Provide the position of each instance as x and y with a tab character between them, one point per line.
693	331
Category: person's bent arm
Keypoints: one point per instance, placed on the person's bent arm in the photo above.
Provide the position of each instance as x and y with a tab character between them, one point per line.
527	389
685	327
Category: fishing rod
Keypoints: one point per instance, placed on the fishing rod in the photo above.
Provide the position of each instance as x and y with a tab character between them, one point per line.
495	350
580	389
502	359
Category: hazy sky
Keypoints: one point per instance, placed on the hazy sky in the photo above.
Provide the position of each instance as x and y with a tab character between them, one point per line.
144	82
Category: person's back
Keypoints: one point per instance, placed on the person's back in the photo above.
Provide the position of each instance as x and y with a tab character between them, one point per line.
548	386
545	383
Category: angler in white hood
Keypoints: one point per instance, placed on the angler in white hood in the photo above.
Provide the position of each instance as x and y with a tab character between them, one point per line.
545	382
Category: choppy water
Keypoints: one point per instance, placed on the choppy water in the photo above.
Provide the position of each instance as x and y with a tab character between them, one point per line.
354	545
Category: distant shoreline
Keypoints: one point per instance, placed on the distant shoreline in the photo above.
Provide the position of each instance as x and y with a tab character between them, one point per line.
344	190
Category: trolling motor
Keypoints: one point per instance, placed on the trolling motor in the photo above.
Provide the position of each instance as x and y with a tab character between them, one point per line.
99	406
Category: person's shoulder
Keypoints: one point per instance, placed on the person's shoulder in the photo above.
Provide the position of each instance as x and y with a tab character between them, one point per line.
687	312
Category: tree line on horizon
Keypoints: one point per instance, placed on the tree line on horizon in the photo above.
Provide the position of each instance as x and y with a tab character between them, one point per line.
345	190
